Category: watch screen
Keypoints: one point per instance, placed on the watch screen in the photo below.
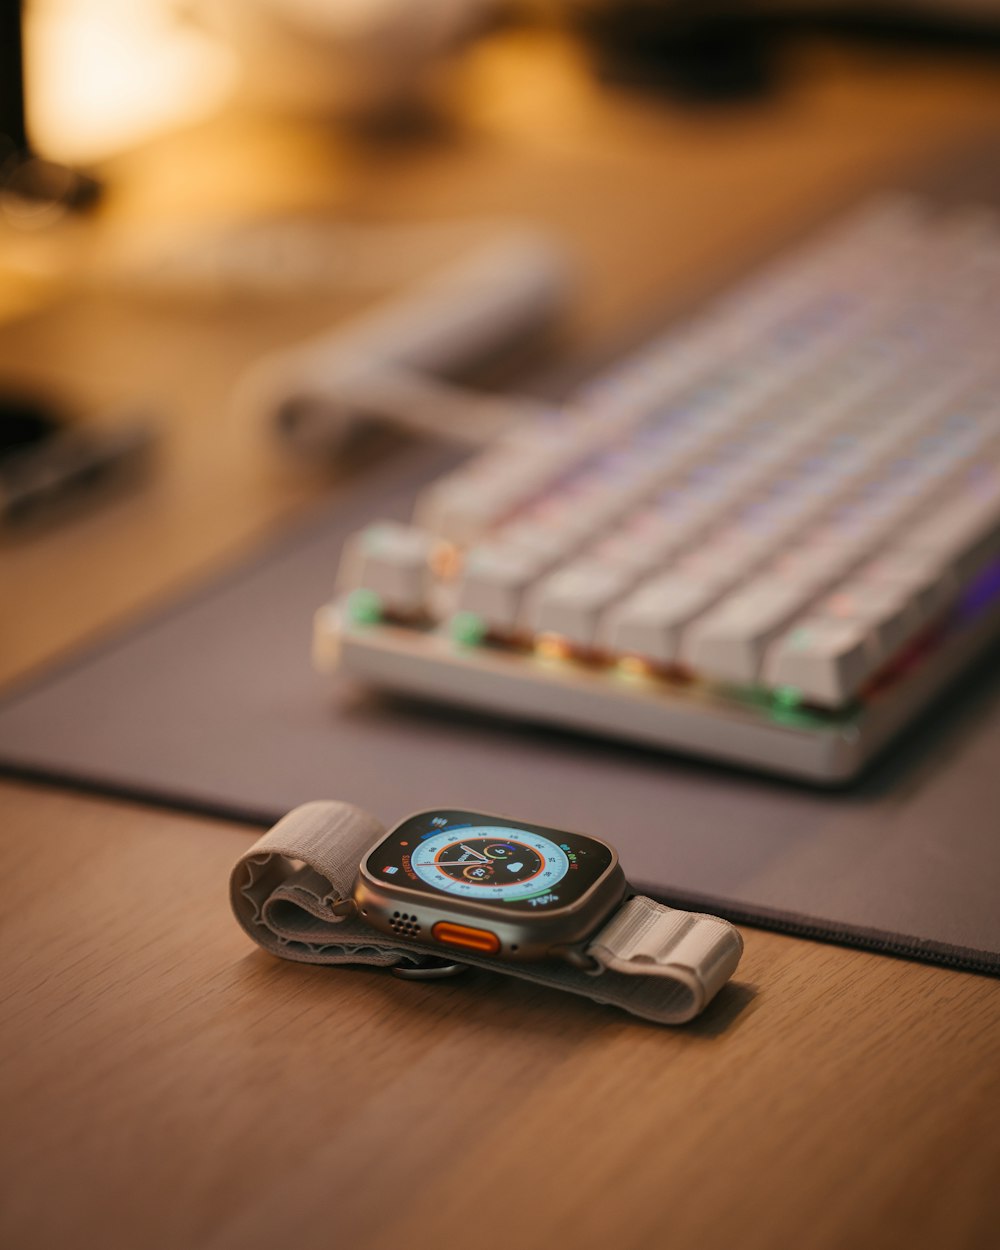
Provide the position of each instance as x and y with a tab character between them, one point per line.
489	860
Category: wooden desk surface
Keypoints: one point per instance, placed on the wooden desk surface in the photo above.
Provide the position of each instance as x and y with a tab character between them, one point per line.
166	1085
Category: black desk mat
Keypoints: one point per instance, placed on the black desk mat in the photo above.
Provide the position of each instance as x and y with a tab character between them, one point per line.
212	706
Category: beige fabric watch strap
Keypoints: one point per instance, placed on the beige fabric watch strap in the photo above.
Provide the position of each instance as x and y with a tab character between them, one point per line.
291	892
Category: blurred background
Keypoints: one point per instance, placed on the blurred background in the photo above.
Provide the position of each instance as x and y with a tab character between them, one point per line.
188	187
190	184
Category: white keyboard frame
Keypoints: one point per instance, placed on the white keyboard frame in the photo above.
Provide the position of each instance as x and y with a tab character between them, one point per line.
696	721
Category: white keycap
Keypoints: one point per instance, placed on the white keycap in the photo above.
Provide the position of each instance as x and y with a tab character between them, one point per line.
571	601
717	565
461	508
836	544
925	579
962	531
743	547
801	566
549	537
666	366
493	581
728	643
620	551
649	622
825	660
889	615
465	504
393	560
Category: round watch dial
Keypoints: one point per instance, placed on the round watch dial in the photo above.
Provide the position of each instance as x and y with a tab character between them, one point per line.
490	862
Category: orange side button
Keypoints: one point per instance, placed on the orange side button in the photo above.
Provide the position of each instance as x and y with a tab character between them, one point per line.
480	940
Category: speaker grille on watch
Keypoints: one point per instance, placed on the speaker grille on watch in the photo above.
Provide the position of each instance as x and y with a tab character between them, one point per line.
404	924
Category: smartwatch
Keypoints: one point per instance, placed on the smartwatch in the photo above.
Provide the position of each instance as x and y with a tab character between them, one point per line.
472	882
451	888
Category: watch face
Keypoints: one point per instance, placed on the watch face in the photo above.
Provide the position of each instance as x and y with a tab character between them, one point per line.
486	859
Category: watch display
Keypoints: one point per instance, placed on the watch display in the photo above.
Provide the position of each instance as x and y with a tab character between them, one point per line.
486	859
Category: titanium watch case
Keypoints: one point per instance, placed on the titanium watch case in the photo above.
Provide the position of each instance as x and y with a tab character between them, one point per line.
521	936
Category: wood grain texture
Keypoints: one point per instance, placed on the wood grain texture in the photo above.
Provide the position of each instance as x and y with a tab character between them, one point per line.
176	1087
163	1084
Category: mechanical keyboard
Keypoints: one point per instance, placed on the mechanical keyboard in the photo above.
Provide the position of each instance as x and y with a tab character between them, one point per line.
769	537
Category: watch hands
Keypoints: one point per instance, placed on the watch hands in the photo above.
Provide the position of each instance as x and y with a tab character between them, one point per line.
471	854
443	863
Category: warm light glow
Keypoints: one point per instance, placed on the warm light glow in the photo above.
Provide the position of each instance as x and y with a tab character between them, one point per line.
446	561
552	647
633	666
105	74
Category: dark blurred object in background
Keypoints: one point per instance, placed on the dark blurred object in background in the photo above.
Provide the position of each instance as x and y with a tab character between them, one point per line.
702	50
30	186
50	465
